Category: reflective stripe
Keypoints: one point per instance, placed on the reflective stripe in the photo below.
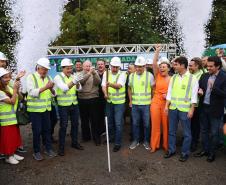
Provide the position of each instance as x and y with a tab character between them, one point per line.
67	101
6	113
38	107
179	99
188	88
141	94
180	105
146	84
38	100
117	99
8	119
65	95
132	82
62	78
145	99
174	78
115	94
36	81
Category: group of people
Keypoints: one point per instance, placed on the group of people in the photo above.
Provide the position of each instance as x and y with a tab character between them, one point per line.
159	95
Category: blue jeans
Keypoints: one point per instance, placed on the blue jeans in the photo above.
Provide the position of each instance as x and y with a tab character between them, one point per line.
209	125
174	117
141	113
65	112
115	113
41	126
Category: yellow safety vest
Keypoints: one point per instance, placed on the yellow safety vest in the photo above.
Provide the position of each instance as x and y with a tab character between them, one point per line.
116	96
141	88
198	74
8	112
181	93
43	102
66	98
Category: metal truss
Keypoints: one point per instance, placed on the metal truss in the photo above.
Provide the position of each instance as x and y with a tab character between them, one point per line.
110	49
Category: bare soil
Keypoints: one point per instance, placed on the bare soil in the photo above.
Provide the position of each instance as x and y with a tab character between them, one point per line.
129	167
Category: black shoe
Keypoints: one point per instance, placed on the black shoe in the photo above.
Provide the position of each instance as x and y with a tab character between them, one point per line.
98	141
183	158
201	154
110	141
168	155
211	158
116	148
77	146
61	152
193	148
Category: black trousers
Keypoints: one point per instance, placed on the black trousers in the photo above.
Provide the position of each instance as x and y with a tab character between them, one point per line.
89	114
195	126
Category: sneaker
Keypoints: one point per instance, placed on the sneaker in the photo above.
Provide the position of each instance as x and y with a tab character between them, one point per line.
21	150
134	145
37	156
18	158
146	145
11	160
2	156
50	153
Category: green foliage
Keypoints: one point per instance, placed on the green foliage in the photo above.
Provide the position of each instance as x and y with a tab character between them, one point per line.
217	25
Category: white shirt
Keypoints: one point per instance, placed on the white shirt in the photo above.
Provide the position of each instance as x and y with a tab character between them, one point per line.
59	83
3	96
152	80
194	88
31	89
121	79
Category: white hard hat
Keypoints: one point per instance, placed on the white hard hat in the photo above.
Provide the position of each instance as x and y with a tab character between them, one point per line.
66	62
44	62
115	61
149	61
163	59
3	71
140	61
2	56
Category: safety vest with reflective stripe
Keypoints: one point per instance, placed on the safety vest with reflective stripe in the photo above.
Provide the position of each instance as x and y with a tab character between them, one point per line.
43	102
181	93
66	98
116	96
8	112
198	74
141	88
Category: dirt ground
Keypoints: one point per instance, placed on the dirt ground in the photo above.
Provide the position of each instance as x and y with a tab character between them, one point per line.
128	167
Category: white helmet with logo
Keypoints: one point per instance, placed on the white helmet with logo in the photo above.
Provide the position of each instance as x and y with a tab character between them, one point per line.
2	56
115	61
66	62
3	72
140	61
44	62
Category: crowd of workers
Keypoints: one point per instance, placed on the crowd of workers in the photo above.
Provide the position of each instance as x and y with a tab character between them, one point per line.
158	94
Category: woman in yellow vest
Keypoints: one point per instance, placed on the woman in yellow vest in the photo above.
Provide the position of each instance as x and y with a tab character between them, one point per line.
10	138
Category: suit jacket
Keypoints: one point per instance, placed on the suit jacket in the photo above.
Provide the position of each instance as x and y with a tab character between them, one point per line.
218	93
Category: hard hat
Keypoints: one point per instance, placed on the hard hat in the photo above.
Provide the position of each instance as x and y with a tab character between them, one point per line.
149	61
3	71
66	62
44	62
115	61
2	56
163	59
140	61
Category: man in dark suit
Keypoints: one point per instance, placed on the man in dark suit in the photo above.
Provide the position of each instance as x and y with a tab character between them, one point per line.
212	94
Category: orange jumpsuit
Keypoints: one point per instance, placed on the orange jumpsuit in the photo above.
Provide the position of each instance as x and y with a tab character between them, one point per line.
158	115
